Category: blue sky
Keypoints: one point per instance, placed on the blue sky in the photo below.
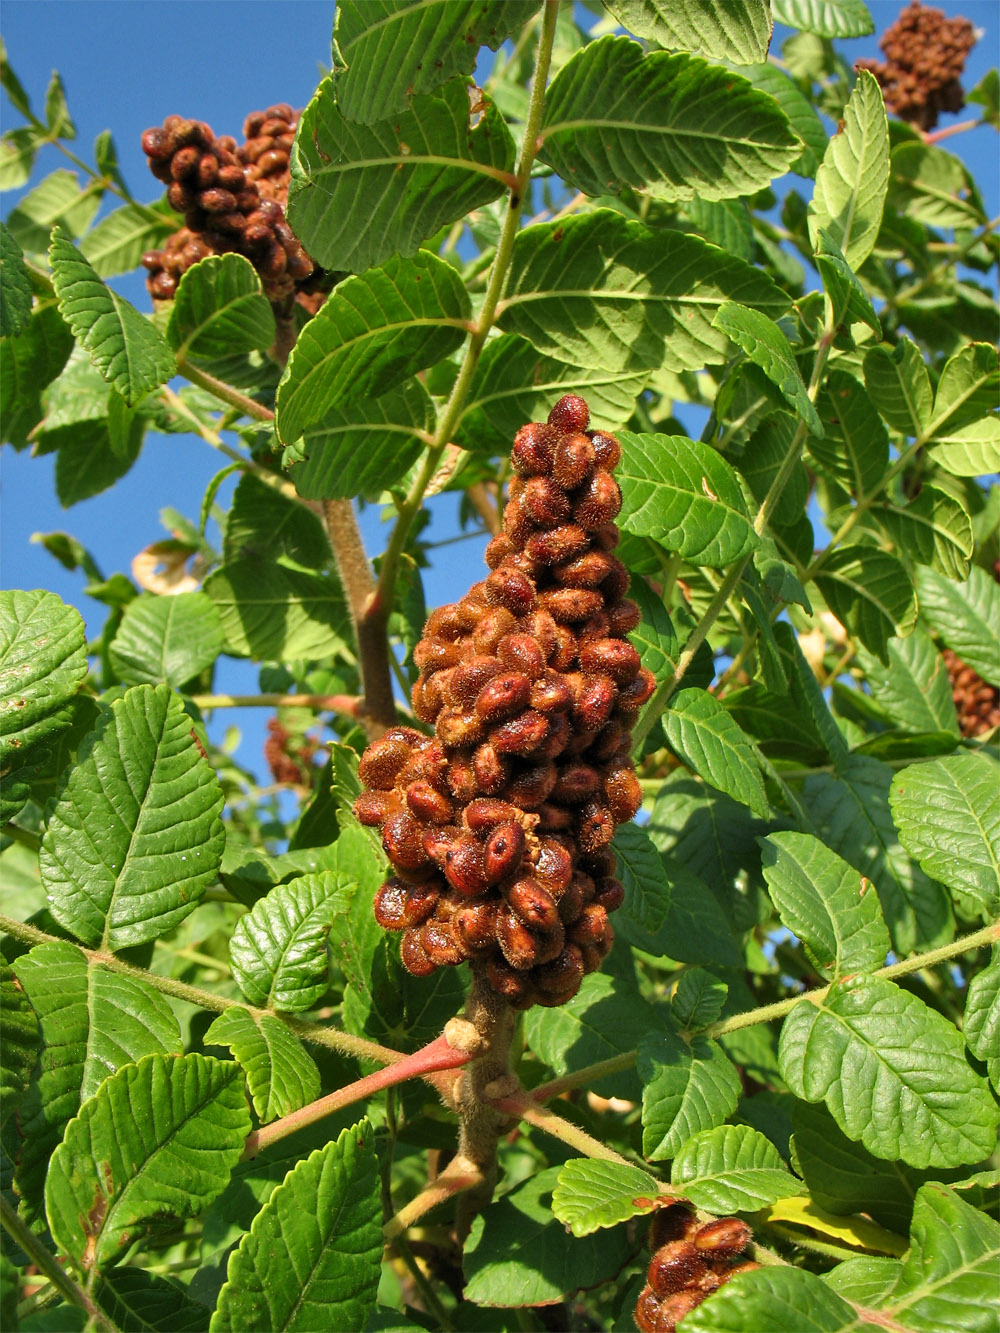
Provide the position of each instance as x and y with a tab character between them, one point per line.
128	64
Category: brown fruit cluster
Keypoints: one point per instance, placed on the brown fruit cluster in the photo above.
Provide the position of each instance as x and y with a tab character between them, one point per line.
232	197
691	1259
976	702
925	56
289	758
499	824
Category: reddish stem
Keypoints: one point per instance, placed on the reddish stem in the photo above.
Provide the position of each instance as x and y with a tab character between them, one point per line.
430	1059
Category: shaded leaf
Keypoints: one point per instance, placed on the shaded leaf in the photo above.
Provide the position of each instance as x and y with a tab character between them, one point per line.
361	193
394	49
27	364
515	1256
601	291
822	900
826	18
698	1000
932	529
21	1040
373	332
157	1141
899	386
134	838
855	445
892	1072
851	303
967	389
281	1074
737	30
272	611
710	741
139	1301
982	1017
766	345
965	616
591	1195
913	690
853	177
730	1169
219	309
928	185
123	345
684	496
15	286
264	522
654	636
801	114
870	594
647	888
688	1086
948	815
166	639
368	448
672	125
782	1298
851	815
118	242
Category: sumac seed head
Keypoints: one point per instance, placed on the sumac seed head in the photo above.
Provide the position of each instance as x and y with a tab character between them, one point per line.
647	1310
491	628
569	606
623	792
390	905
675	1222
529	788
610	894
532	904
456	729
403	841
373	807
522	652
673	1267
499	549
595	702
469	678
596	827
553	546
475	925
638	691
674	1307
574	461
490	772
570	413
427	804
554	866
723	1238
464	867
510	588
561	976
534	445
607	449
485	813
382	761
514	986
546	503
551	694
598	502
614	657
522	735
504	696
414	955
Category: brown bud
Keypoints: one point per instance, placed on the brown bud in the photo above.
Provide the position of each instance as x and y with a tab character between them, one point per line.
634	695
723	1237
158	143
561	976
456	728
184	163
570	413
577	782
514	986
553	546
390	905
546	503
485	813
596	826
427	804
529	788
490	771
674	1307
599	501
647	1310
614	657
464	867
674	1266
554	867
373	807
574	461
623	792
551	694
499	549
521	735
436	654
532	904
383	760
414	955
469	678
570	605
595	702
474	925
503	852
531	454
675	1222
510	588
610	894
504	696
491	628
439	944
607	449
181	196
522	652
403	842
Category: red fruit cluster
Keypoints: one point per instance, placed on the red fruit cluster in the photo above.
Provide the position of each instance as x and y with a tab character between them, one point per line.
925	56
498	825
691	1259
232	198
976	702
289	758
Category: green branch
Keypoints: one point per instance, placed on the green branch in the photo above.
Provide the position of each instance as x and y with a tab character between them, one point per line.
315	1033
225	393
980	939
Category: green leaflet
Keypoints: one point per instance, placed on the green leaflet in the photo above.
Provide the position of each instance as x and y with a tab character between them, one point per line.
27	364
264	523
374	331
821	899
965	616
892	1072
948	815
387	51
21	1040
737	30
600	291
168	639
687	1086
134	837
827	18
281	1075
273	611
869	592
766	345
158	1140
732	1168
593	1194
684	496
118	242
15	287
706	737
361	193
673	125
43	663
853	177
219	310
312	1257
982	1017
123	345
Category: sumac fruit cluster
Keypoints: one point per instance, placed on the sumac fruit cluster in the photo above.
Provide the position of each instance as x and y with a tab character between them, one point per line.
925	55
232	197
691	1259
498	825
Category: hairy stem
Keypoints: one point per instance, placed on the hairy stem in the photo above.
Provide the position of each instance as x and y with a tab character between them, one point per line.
430	1059
315	1033
48	1264
378	708
458	1176
526	1108
225	393
348	704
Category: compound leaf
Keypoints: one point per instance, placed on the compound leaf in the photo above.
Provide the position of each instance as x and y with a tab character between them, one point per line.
312	1258
892	1072
272	611
736	30
854	447
870	593
21	1040
134	838
982	1017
